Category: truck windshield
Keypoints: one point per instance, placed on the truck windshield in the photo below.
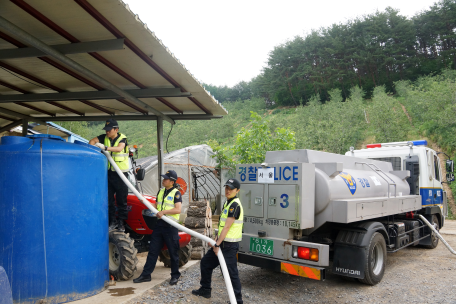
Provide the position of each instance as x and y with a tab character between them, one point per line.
395	161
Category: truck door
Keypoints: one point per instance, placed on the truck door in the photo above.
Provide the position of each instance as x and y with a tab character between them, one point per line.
437	182
427	176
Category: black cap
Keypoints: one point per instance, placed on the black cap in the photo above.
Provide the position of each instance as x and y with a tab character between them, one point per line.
233	183
170	174
110	124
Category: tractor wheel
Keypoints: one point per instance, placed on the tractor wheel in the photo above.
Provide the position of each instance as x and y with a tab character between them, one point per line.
434	238
184	256
122	256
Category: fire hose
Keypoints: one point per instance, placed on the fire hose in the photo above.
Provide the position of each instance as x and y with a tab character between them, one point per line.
437	233
226	275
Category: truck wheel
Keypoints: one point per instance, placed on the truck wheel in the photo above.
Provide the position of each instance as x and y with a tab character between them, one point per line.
434	238
375	260
122	256
184	256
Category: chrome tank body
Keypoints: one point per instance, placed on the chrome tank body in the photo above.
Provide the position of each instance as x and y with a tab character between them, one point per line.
340	177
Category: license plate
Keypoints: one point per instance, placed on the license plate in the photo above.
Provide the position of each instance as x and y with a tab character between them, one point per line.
261	246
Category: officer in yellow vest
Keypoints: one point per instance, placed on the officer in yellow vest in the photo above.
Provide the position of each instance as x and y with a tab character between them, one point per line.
116	143
229	236
168	203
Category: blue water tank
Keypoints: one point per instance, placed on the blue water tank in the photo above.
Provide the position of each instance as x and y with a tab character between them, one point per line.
53	218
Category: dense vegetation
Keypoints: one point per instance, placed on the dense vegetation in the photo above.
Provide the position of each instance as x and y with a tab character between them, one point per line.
333	126
369	51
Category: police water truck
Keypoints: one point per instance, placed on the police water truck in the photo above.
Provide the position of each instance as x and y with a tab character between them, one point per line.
308	211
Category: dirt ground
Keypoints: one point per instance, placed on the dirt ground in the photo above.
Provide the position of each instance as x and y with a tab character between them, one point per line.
414	275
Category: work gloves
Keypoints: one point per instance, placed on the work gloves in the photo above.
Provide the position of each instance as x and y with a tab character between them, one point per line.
101	146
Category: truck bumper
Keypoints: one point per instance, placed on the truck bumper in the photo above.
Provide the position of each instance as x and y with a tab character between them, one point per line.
300	270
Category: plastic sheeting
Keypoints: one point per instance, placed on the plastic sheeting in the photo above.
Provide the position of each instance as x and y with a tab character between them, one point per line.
194	160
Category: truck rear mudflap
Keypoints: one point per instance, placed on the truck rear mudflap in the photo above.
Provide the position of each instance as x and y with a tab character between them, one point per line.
300	270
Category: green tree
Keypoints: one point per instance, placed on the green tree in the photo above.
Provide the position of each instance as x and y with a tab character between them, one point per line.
387	117
252	143
78	127
223	156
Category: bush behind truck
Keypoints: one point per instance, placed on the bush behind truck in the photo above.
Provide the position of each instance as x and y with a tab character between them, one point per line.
305	208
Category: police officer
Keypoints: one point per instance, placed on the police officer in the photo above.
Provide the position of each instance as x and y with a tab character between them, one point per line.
229	236
116	143
169	203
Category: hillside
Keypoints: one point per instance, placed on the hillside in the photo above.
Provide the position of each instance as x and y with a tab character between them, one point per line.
424	108
333	126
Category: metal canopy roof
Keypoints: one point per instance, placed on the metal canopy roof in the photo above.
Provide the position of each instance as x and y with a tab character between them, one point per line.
63	60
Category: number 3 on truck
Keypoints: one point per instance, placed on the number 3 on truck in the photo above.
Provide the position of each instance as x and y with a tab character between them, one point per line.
285	200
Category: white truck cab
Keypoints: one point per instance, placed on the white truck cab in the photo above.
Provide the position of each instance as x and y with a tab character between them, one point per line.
423	163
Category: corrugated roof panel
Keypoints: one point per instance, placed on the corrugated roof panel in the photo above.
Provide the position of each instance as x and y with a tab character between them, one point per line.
77	23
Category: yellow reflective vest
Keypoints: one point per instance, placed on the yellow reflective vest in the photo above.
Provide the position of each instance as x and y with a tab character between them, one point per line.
235	232
121	158
167	203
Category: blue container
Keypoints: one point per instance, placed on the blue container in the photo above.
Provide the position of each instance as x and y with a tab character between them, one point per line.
53	218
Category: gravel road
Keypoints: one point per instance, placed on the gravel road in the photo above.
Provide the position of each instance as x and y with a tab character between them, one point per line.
414	275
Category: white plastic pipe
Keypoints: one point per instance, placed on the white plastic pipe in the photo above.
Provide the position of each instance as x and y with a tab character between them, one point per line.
437	234
225	272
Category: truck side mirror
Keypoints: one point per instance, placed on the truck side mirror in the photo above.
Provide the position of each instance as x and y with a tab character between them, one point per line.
140	174
449	166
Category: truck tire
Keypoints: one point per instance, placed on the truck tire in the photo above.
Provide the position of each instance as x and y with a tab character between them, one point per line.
184	256
434	238
374	268
122	256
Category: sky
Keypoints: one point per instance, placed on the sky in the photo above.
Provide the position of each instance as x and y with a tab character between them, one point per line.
224	42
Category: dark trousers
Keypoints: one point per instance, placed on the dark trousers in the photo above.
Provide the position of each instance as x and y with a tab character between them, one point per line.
163	233
120	189
210	262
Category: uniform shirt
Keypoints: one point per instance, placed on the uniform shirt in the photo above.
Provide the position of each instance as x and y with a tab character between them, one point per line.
102	137
235	210
177	199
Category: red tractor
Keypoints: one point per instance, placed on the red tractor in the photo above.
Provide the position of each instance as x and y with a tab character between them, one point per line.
124	246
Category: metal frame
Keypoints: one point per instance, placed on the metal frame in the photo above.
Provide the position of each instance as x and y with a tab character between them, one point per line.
110	27
74	48
30	118
135	117
53	26
23	35
92	95
11	125
46	84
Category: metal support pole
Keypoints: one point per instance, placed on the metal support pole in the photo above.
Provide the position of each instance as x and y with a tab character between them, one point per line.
161	170
24	127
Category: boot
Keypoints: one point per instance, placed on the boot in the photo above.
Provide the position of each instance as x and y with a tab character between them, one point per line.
143	278
202	292
120	226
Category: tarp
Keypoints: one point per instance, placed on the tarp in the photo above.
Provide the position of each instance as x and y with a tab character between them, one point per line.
190	163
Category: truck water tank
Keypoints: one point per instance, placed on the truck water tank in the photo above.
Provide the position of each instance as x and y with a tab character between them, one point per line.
340	177
356	183
53	219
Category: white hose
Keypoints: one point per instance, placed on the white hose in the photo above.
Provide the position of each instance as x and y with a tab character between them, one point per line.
437	234
225	272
